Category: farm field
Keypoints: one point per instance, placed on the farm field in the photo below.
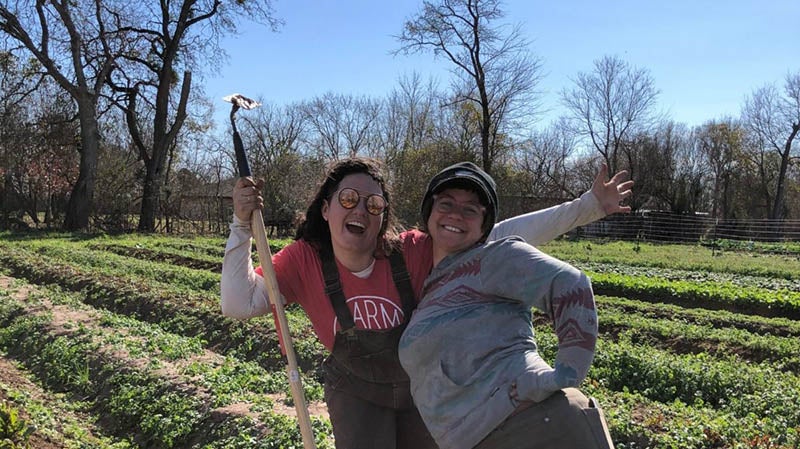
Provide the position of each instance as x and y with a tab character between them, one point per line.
118	342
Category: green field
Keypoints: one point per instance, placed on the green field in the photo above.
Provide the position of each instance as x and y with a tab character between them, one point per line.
118	342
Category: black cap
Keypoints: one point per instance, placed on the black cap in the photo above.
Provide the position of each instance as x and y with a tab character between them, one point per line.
464	175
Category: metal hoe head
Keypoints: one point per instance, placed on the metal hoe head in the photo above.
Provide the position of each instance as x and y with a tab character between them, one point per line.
240	101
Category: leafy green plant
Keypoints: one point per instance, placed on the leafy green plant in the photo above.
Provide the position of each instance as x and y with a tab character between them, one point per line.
699	294
14	431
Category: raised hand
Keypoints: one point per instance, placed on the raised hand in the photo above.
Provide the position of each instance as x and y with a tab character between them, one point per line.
611	193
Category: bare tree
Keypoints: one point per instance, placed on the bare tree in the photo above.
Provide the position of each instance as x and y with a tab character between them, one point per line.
672	174
72	42
494	68
54	167
408	117
119	172
38	162
185	31
720	143
760	174
273	137
408	133
611	104
17	83
774	117
543	158
341	125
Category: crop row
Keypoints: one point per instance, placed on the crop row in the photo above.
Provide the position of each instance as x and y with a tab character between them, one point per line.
162	389
707	295
672	274
782	248
739	292
720	319
696	260
639	422
678	335
669	286
171	257
681	257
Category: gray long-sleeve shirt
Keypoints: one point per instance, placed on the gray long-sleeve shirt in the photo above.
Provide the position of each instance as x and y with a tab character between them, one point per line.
471	337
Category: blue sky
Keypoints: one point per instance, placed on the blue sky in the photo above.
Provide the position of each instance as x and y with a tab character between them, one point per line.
705	56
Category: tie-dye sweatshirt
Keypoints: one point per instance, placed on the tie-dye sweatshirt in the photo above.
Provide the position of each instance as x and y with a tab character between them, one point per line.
471	337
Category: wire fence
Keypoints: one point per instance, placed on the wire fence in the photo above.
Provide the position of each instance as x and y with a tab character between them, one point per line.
666	227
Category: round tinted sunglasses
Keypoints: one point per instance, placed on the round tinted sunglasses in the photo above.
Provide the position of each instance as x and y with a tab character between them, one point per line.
349	199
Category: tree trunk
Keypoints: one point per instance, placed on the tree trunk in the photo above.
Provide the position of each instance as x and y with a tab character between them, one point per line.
151	200
163	140
778	207
80	200
33	207
48	212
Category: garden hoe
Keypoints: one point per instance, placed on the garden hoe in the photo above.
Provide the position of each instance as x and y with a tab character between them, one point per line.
265	258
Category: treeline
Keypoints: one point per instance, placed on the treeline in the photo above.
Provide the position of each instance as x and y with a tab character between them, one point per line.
124	139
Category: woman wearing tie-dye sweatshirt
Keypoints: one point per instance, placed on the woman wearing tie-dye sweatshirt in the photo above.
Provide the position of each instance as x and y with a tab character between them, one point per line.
469	349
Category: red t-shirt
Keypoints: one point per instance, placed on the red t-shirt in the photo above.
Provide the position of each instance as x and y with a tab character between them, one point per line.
373	301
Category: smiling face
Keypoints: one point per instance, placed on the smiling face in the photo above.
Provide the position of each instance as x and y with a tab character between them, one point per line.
354	232
454	224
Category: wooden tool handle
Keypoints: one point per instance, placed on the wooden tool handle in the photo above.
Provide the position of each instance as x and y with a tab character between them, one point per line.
271	282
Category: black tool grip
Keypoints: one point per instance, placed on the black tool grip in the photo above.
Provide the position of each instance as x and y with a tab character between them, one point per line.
241	158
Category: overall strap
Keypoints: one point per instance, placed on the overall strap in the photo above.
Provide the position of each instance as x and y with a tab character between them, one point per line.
333	288
402	281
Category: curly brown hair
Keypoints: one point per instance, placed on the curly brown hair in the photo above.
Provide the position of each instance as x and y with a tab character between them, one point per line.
315	230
